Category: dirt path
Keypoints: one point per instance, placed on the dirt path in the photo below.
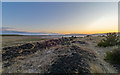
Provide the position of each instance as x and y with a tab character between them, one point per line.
101	52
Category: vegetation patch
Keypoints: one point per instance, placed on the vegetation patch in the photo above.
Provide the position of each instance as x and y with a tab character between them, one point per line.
111	39
72	38
113	56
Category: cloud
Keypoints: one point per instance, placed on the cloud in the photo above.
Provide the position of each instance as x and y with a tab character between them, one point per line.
9	30
6	28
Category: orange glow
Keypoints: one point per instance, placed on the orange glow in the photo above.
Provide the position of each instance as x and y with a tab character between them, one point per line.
90	32
80	32
85	32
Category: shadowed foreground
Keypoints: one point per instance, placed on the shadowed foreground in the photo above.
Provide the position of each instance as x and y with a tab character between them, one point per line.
64	55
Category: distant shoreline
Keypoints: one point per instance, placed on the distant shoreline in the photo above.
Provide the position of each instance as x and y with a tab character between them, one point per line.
11	35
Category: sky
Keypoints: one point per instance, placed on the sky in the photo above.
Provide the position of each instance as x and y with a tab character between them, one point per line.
61	17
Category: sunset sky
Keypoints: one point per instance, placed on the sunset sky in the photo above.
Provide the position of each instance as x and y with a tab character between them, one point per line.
61	17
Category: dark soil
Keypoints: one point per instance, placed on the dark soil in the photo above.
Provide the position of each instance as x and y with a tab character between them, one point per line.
54	56
12	52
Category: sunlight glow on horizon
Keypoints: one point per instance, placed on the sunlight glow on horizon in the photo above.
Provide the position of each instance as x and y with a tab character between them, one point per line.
61	17
95	32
